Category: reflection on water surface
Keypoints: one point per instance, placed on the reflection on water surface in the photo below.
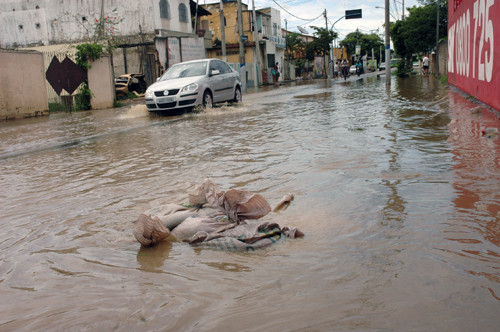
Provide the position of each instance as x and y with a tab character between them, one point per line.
396	191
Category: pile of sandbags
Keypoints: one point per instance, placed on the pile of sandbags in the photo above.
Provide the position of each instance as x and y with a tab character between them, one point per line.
214	219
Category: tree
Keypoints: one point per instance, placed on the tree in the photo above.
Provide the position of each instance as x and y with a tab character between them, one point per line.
417	33
293	42
321	45
366	41
101	35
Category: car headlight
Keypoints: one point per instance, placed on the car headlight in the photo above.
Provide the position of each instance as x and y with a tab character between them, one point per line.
149	93
190	88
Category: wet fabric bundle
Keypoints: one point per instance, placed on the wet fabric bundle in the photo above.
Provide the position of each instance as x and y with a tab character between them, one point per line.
215	219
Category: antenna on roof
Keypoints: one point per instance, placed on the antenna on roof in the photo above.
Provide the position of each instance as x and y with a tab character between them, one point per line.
302	30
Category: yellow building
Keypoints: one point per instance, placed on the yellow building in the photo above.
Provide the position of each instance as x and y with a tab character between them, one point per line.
257	60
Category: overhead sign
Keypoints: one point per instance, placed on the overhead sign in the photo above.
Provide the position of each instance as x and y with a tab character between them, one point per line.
354	13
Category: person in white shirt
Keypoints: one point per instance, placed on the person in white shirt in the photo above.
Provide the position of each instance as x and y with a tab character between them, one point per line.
425	64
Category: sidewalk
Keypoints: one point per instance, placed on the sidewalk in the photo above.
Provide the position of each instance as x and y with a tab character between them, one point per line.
352	77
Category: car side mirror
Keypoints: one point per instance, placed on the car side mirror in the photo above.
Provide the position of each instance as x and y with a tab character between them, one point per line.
215	72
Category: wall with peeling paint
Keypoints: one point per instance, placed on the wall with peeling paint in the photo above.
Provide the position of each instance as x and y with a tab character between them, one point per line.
101	83
37	22
22	85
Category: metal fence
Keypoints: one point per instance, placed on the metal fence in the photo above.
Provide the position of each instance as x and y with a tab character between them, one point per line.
64	101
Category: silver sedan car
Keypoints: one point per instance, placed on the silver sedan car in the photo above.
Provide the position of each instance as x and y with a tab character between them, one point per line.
191	83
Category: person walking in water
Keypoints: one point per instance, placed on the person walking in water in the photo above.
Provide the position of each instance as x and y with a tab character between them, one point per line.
425	64
345	68
277	71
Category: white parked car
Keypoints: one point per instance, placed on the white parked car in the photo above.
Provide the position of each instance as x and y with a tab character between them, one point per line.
191	83
352	70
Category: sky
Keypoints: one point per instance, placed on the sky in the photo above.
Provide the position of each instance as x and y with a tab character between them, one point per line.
305	13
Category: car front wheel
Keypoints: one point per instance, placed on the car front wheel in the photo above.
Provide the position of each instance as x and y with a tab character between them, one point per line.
207	99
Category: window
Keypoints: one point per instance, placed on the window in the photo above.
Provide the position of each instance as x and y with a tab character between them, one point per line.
224	67
183	14
164	9
275	29
213	66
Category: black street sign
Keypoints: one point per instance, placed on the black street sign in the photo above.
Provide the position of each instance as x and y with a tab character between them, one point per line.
354	13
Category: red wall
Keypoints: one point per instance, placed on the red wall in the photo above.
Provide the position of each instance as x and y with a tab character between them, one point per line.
474	48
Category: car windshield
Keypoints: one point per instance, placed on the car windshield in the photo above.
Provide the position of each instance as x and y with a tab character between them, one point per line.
185	70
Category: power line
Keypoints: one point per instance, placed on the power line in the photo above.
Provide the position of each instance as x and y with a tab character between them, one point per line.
302	19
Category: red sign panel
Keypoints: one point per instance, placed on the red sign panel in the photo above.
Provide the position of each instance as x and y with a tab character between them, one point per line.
474	49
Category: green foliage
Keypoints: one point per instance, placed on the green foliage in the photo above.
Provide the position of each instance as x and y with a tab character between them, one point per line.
82	100
293	42
56	107
101	36
117	104
443	79
86	53
321	45
405	67
299	65
311	51
417	33
366	41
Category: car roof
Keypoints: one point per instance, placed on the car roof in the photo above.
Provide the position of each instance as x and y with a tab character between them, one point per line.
199	60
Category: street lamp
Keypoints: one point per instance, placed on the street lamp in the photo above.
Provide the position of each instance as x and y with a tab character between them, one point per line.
380	7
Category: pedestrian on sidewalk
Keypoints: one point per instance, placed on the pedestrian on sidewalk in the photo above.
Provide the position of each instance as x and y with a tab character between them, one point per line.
276	69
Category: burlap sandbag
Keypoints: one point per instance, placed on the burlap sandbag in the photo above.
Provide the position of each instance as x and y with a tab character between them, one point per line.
203	193
242	237
239	205
149	231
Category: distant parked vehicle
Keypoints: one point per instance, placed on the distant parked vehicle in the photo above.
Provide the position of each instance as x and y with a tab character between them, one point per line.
352	70
130	83
381	66
192	83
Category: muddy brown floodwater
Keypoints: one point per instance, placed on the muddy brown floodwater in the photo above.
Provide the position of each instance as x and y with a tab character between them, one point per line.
396	190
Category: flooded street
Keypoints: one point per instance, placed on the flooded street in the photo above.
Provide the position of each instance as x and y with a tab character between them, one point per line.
397	192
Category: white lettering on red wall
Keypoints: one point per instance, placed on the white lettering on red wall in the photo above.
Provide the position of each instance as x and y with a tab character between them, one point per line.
473	52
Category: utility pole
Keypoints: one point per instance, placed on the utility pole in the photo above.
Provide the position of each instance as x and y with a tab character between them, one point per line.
437	38
257	47
242	70
223	31
287	62
325	57
387	46
196	18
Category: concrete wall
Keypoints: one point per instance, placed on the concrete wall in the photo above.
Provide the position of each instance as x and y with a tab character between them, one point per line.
101	83
22	85
34	23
